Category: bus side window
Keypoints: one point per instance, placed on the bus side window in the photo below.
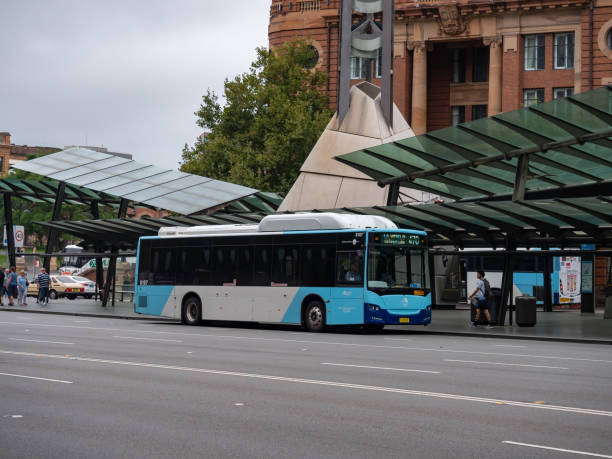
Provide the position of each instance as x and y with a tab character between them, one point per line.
263	265
349	267
245	266
201	265
163	266
317	265
183	271
224	265
285	265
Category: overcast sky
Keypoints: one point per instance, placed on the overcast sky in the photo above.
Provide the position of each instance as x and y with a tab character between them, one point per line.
124	74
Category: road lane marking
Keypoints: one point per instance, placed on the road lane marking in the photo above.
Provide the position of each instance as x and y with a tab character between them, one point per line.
394	390
149	339
34	377
378	368
39	341
399	339
550	448
506	364
326	343
507	345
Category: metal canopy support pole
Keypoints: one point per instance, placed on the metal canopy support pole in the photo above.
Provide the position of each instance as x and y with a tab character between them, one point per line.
344	69
95	213
547	283
8	221
393	195
507	281
110	273
386	97
52	234
122	208
432	278
520	180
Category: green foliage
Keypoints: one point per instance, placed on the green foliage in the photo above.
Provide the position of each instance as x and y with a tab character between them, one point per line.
272	117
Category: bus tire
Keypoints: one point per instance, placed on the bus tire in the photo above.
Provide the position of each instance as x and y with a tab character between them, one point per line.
191	312
314	316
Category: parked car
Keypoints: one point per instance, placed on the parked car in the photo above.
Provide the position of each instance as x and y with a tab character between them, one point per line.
88	285
32	287
65	286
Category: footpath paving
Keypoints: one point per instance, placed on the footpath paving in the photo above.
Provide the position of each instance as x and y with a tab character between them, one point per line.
567	325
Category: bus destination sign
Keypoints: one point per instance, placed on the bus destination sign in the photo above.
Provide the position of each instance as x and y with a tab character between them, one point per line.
402	239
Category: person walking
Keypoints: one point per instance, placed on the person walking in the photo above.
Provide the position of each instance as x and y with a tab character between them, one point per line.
22	289
1	287
10	281
43	287
479	301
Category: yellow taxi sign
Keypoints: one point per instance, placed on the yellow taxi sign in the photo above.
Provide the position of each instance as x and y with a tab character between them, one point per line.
404	320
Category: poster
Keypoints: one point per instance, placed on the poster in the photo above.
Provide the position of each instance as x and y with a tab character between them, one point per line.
587	277
569	280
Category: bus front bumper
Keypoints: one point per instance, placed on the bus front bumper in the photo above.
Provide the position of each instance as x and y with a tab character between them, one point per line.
374	314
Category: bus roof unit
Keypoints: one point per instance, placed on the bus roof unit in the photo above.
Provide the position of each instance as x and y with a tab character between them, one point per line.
285	222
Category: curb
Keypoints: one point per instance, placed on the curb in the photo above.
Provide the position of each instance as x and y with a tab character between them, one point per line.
86	314
415	332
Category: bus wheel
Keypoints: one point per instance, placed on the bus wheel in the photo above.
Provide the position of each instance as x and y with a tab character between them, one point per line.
314	318
192	311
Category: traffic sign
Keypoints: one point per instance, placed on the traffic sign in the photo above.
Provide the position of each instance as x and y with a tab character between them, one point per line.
18	235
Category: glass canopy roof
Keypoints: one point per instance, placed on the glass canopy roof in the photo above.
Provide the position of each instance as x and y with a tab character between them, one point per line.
568	142
137	182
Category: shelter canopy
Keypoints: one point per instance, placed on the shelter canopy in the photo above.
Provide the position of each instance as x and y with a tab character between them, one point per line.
567	143
534	223
137	182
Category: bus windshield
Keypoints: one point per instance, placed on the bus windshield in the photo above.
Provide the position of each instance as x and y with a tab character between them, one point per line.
396	269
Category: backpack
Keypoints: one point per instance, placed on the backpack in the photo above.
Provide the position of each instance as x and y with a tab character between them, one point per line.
487	289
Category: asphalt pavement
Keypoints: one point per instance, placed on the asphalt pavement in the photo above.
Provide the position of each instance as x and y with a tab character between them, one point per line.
74	387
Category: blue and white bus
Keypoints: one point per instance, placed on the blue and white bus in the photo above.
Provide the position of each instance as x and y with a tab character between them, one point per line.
310	269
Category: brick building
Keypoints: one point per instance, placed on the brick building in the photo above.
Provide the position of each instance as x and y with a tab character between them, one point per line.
462	60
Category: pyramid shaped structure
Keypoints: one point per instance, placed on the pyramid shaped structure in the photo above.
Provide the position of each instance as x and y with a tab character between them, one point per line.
325	183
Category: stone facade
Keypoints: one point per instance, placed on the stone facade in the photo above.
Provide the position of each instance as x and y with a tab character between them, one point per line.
435	39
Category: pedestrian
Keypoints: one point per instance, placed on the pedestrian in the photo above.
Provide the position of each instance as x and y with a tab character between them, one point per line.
1	287
43	287
4	286
11	284
22	289
478	300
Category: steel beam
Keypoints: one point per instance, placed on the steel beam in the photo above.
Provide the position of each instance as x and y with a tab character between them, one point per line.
52	233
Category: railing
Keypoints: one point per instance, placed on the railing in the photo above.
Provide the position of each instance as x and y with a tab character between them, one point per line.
297	6
309	5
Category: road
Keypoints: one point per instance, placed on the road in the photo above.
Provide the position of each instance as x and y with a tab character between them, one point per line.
75	387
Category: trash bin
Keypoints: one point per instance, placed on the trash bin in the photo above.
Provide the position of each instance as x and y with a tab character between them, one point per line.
525	311
495	304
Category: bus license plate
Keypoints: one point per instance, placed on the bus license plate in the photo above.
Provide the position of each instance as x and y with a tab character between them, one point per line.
404	320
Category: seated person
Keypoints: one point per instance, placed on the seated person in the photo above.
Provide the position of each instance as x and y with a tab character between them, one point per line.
352	275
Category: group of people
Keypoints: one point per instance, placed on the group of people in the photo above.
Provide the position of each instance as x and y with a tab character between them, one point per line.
13	285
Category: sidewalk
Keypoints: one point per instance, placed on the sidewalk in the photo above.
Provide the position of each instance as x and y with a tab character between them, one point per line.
567	325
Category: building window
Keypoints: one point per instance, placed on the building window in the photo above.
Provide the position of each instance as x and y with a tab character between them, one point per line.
533	96
457	115
559	93
609	39
479	111
379	64
459	60
564	50
480	65
357	68
534	52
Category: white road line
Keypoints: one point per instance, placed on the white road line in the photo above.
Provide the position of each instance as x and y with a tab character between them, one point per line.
325	343
506	364
394	390
149	339
39	341
34	377
584	453
82	321
507	345
379	368
399	339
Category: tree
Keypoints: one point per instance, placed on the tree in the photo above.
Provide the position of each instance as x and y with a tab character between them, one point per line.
272	117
